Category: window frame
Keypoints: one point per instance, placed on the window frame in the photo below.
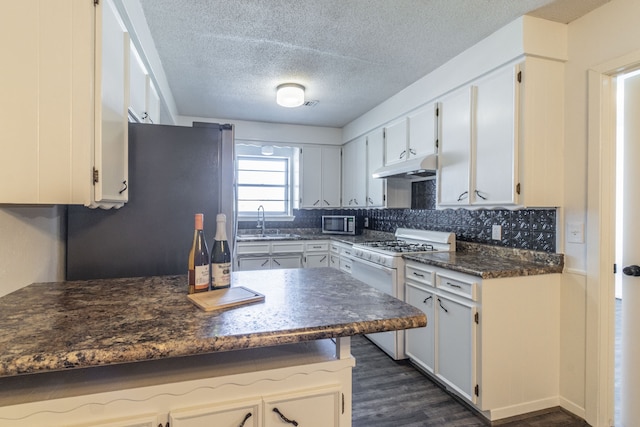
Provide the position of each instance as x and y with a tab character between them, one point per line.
285	215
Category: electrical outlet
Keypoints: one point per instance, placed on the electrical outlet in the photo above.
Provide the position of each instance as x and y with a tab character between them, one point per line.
496	232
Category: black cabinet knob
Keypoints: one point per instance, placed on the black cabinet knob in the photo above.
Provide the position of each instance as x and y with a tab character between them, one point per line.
631	270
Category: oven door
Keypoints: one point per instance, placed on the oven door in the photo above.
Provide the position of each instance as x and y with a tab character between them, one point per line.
385	280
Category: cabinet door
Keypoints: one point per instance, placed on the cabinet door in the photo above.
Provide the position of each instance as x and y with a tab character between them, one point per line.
244	414
495	160
316	260
46	107
286	261
423	131
456	345
311	169
254	263
455	148
375	160
354	171
396	142
137	85
152	103
331	173
313	408
334	261
419	342
112	104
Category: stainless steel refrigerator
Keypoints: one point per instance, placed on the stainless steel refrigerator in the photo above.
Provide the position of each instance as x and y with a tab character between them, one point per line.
174	172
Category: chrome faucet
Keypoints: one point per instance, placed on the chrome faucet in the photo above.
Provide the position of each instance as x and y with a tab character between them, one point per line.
261	224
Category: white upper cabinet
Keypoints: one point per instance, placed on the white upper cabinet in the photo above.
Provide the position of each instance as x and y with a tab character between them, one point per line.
455	148
396	142
144	102
320	169
501	139
354	171
496	139
112	103
52	114
46	111
375	159
423	131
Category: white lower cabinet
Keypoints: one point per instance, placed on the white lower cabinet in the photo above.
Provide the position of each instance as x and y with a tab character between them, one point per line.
306	385
313	408
316	254
269	255
286	261
420	342
319	407
340	256
494	342
245	413
456	344
254	263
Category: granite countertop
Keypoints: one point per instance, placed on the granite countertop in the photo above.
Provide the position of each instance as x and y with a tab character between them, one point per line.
490	262
55	326
315	234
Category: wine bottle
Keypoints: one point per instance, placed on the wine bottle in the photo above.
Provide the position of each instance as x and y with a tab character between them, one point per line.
220	256
199	259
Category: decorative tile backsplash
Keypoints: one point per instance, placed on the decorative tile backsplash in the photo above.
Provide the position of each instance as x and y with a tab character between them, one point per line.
533	229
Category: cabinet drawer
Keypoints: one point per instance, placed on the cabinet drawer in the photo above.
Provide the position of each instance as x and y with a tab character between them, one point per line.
334	248
253	248
346	252
345	265
465	288
316	246
419	274
287	247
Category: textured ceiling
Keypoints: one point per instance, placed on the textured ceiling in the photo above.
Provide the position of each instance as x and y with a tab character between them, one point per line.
223	59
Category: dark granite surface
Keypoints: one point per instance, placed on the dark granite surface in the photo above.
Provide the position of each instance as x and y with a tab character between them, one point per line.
54	326
315	234
489	262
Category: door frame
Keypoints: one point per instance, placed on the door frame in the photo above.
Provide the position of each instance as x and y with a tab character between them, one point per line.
600	253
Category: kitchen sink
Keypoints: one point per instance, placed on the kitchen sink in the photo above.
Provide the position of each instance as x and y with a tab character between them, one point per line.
273	236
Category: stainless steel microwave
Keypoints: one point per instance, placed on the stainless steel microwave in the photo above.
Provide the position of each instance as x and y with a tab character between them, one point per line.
339	224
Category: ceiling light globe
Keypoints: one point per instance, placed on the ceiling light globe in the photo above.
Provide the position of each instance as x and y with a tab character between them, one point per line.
290	95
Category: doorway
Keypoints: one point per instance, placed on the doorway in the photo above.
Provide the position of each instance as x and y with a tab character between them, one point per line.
627	345
601	234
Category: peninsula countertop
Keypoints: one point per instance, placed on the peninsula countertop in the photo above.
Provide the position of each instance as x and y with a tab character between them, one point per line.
56	326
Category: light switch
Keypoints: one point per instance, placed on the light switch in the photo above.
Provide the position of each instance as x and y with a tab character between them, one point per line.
496	232
575	232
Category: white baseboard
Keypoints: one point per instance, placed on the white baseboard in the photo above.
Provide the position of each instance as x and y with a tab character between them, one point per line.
522	408
573	408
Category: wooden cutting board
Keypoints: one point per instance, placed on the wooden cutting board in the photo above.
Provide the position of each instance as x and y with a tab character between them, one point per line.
225	298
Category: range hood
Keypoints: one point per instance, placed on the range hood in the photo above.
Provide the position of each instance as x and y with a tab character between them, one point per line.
419	167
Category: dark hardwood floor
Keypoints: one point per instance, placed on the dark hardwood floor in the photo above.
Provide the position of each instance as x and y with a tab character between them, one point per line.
388	393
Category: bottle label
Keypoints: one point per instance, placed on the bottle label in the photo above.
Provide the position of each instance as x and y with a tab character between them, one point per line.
221	275
201	278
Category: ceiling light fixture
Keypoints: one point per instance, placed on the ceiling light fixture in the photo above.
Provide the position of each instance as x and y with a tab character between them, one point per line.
290	95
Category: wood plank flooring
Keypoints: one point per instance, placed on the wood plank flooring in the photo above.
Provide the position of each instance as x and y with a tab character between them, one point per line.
388	393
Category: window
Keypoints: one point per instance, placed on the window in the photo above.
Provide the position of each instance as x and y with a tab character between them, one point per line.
269	180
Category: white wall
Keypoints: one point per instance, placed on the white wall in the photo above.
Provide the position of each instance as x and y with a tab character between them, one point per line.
273	132
31	246
607	33
505	45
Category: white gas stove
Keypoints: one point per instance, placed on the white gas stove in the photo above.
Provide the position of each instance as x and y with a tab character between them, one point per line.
408	241
380	265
